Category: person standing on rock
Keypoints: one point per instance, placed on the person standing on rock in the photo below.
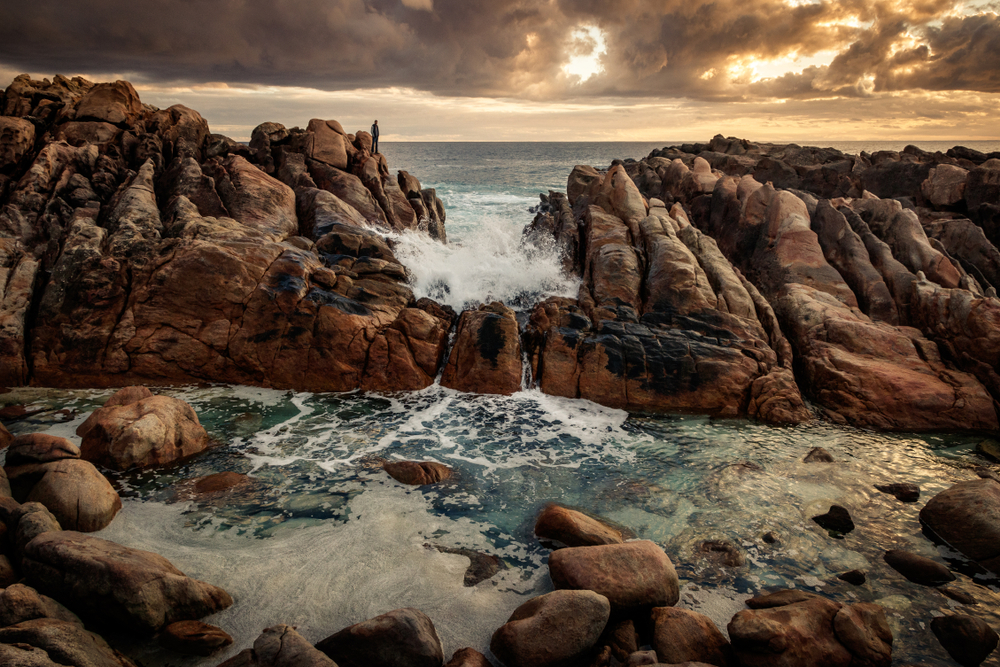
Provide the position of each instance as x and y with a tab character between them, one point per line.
374	137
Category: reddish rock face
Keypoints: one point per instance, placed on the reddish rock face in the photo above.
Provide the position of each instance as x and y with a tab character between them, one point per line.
404	637
486	357
681	635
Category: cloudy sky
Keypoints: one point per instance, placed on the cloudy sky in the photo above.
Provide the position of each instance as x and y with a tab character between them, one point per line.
558	70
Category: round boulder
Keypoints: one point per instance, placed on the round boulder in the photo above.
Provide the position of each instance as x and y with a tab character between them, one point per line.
575	529
76	493
552	630
918	569
632	576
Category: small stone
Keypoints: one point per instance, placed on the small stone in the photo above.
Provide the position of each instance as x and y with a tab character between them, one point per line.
194	638
771	537
220	481
957	594
640	658
918	569
837	521
417	473
818	455
904	491
399	638
481	566
854	577
968	640
468	657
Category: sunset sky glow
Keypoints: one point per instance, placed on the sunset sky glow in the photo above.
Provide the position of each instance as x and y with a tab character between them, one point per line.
539	70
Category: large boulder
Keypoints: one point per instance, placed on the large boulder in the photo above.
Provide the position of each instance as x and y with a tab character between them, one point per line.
632	576
399	638
813	631
486	356
967	639
280	646
17	137
329	144
553	630
115	103
107	583
76	492
945	185
152	431
967	517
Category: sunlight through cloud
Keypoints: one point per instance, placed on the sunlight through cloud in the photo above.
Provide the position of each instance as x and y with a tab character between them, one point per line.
588	46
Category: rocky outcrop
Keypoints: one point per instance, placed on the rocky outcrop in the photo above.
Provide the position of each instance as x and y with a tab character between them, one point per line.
157	252
106	583
967	517
486	356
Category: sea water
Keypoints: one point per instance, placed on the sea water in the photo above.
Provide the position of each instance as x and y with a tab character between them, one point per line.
322	538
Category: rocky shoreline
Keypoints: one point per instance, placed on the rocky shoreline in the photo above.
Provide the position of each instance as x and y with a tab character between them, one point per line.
733	279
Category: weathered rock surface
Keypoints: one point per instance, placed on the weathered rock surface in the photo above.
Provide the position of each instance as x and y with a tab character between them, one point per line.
552	630
632	576
814	631
967	517
74	491
417	473
151	431
280	646
19	603
486	357
107	583
682	635
400	638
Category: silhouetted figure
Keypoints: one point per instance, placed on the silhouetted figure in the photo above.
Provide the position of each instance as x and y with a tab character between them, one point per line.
374	137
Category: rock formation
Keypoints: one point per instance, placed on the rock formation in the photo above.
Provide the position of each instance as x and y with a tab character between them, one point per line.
156	252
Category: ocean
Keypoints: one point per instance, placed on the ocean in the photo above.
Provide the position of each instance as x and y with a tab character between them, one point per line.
323	538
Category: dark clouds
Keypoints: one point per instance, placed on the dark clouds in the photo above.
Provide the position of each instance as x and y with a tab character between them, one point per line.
699	49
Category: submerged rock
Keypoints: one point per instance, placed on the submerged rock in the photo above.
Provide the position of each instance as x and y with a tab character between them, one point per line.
904	491
486	357
818	455
575	529
837	521
918	569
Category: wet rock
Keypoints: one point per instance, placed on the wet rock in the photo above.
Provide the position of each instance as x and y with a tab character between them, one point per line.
722	552
771	537
681	635
918	569
64	643
552	630
967	517
76	493
482	566
988	449
280	646
632	576
904	491
864	630
468	657
400	638
957	594
780	598
818	455
19	603
107	583
417	473
39	448
17	138
194	638
152	431
967	639
486	356
853	577
575	529
837	521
